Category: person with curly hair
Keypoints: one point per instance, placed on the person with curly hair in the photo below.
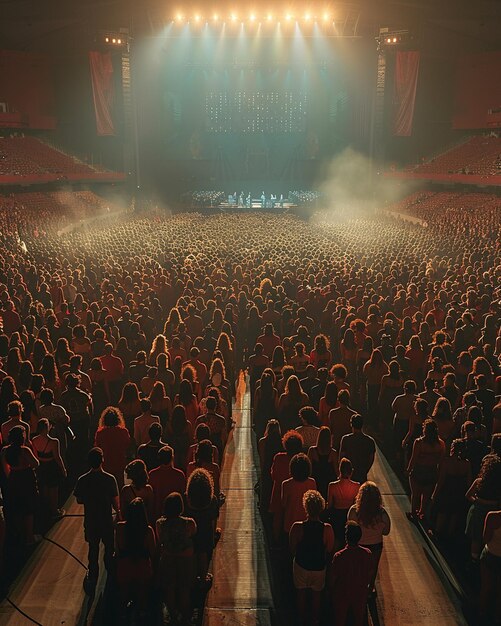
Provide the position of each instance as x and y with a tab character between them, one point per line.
311	542
114	440
369	512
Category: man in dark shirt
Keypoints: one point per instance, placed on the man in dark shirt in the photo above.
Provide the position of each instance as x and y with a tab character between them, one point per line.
359	448
216	424
166	479
486	398
349	578
310	380
98	492
78	405
148	452
475	450
318	390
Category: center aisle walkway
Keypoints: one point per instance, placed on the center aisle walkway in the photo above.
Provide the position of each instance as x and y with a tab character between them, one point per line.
241	593
411	586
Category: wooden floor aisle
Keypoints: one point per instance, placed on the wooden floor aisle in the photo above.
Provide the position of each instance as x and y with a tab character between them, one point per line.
241	593
49	590
412	589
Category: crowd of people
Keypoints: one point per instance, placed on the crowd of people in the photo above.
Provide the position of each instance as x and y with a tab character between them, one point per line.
121	348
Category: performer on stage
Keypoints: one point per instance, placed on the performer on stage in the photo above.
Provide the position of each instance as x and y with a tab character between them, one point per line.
248	201
263	200
241	200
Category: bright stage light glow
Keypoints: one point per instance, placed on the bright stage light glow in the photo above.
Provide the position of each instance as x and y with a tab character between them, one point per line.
252	17
179	17
270	17
215	17
107	39
307	17
197	17
234	17
394	40
325	17
288	17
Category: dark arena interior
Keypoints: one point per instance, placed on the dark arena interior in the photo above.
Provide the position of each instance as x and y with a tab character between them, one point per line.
250	313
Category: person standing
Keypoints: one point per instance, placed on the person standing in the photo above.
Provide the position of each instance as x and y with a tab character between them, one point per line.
98	492
349	578
369	513
310	542
359	448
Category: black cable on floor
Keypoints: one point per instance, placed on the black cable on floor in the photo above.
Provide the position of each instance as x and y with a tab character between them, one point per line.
33	621
66	550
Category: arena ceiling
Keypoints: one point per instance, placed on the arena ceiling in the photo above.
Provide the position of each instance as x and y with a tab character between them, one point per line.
36	24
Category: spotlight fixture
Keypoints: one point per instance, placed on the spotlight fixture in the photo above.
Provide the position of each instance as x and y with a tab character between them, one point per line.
393	38
115	39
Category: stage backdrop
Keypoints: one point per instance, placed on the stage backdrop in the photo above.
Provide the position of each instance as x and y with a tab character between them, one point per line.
26	90
405	86
218	109
478	91
101	71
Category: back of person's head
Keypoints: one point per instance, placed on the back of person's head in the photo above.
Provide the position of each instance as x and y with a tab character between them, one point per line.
323	374
429	384
211	403
145	405
357	421
292	442
173	505
43	426
475	415
353	533
72	381
204	451
110	417
313	503
300	467
15	409
481	381
165	455
202	432
309	416
421	406
344	397
458	448
95	458
200	489
136	471
410	387
469	398
46	396
155	431
345	468
258	349
496	444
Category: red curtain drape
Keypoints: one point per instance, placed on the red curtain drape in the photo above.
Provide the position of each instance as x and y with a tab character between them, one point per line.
406	75
101	71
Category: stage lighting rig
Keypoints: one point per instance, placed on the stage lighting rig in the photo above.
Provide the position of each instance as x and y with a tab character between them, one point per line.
114	39
391	38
